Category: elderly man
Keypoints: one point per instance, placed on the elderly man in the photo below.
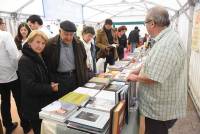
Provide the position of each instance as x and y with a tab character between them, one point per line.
162	79
65	58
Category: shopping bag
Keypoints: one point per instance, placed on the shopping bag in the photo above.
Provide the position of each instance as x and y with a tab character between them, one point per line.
100	65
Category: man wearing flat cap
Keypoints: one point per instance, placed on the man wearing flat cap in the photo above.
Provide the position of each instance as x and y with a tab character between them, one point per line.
65	58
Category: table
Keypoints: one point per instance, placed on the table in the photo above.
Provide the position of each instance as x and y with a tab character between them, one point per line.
52	127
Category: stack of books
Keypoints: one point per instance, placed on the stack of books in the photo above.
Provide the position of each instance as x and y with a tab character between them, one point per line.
119	65
93	85
89	120
123	75
57	111
105	81
101	104
88	91
74	98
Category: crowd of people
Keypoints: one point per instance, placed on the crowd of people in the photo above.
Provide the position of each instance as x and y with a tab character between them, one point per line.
39	69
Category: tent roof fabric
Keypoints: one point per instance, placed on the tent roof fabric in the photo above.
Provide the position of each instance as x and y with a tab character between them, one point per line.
89	10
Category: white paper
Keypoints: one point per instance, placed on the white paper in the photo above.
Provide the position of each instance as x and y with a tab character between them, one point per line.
88	91
107	95
52	107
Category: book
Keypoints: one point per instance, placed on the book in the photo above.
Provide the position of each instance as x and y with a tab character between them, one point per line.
107	95
90	119
101	104
118	118
89	91
57	111
105	81
113	87
119	65
81	128
123	75
118	83
75	98
93	85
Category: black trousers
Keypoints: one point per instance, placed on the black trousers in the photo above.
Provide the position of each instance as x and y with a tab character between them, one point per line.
110	59
5	91
67	83
158	127
36	125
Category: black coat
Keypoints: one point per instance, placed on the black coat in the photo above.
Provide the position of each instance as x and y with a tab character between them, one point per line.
35	85
51	57
134	36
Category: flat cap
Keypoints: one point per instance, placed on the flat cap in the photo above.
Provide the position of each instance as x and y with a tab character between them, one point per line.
68	26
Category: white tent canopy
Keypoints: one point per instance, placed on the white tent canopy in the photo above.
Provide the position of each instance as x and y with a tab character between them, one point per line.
122	12
87	11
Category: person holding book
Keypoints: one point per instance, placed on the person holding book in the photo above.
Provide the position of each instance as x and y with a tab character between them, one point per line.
107	42
36	89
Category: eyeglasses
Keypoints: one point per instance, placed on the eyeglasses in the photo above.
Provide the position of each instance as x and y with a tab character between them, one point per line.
146	22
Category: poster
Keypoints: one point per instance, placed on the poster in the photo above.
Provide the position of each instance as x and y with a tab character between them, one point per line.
196	31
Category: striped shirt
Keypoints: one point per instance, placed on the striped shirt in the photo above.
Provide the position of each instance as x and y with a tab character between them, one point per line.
166	64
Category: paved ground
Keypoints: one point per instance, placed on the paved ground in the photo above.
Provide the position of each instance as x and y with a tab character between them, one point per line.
188	125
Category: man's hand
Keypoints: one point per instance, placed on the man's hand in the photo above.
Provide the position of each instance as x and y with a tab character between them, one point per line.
132	77
54	87
107	48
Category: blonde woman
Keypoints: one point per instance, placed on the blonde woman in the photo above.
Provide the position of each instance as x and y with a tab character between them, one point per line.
37	90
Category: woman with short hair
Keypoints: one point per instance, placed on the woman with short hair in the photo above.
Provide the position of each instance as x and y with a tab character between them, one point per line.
37	90
88	34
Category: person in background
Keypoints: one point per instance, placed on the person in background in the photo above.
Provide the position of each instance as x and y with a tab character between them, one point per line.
105	40
9	57
36	23
163	77
65	58
145	38
22	33
122	41
2	25
133	38
36	89
88	34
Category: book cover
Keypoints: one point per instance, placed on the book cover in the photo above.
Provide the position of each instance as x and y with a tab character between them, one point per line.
90	118
75	98
94	85
101	104
57	111
89	91
118	118
113	87
105	81
107	95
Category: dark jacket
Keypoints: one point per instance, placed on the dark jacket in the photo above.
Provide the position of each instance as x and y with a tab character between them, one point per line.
93	53
51	56
134	36
35	84
102	43
122	45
